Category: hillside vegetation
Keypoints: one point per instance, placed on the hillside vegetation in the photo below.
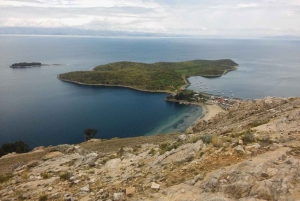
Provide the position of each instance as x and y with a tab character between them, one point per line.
161	76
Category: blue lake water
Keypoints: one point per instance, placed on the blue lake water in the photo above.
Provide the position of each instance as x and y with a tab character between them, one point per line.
39	109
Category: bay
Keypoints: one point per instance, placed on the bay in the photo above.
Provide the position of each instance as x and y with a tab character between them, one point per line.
39	109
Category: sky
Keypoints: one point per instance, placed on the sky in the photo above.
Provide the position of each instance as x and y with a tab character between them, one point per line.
242	18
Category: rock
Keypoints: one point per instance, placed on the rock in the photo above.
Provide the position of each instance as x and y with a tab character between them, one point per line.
90	159
50	188
130	191
181	137
32	163
118	196
241	142
91	164
55	196
239	149
180	155
52	155
155	186
254	146
73	178
85	188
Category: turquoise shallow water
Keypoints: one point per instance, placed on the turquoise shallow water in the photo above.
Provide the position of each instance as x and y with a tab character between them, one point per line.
39	109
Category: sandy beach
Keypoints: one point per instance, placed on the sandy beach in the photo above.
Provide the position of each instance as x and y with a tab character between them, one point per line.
208	112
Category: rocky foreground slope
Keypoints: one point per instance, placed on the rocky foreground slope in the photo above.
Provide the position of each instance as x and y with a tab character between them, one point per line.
251	152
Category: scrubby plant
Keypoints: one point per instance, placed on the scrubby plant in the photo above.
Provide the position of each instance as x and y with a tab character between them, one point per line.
193	139
248	138
120	152
258	123
5	177
206	138
216	141
65	175
152	152
25	175
45	175
168	146
43	197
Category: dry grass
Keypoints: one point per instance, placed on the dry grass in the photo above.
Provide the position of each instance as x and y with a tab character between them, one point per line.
114	145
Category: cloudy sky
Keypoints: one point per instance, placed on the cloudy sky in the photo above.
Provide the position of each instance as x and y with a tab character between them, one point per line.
193	17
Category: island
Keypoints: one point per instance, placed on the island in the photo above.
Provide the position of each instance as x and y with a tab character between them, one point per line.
168	77
26	65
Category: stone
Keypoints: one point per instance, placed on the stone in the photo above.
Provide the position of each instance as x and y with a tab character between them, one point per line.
86	188
52	155
130	191
73	178
239	149
55	196
181	137
50	188
118	196
155	186
241	142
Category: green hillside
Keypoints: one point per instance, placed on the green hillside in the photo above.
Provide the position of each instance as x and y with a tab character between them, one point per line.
161	76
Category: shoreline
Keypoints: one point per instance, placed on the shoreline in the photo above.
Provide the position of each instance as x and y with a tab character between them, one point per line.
124	86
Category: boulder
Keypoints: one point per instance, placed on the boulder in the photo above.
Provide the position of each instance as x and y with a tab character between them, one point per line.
130	191
155	186
118	196
181	137
86	188
239	149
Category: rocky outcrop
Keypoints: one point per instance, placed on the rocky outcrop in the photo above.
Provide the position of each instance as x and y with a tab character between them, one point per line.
250	153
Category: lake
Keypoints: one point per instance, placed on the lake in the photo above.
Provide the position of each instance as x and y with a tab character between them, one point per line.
39	109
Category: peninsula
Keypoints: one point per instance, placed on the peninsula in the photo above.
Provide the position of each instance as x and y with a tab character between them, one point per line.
26	65
157	77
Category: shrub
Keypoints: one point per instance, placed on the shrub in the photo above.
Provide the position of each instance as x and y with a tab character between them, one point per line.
18	147
152	152
206	138
168	147
5	177
216	141
248	138
66	175
258	123
193	139
45	175
120	152
43	197
25	175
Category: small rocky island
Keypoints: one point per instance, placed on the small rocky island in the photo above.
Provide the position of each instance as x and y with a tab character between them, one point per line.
26	65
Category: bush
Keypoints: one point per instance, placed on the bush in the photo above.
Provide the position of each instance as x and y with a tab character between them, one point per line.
43	197
206	138
5	177
216	141
248	138
66	175
45	175
168	147
152	152
18	147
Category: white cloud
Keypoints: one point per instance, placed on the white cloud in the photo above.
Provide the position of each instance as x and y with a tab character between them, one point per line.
246	5
214	17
